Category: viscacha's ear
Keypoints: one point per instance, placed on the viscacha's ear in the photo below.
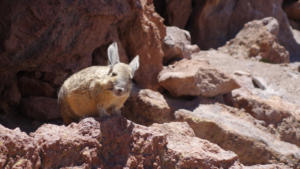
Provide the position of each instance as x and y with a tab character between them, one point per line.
113	54
134	64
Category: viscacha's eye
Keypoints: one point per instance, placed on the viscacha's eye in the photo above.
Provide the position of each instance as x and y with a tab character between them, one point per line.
114	74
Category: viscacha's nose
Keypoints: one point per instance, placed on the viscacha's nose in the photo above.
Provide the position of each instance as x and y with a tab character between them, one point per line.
119	91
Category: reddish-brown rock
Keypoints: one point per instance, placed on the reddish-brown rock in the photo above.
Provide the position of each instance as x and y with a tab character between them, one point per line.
18	150
113	143
40	108
146	106
266	166
234	130
52	40
281	117
293	10
185	151
178	12
175	12
110	143
34	87
214	22
177	45
258	39
195	77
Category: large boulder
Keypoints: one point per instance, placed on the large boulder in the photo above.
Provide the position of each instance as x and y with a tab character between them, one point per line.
214	22
195	77
18	150
175	12
177	45
40	108
110	143
44	42
184	150
258	39
236	131
146	106
292	10
113	143
278	115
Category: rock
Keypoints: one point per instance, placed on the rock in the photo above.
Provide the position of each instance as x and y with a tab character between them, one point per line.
287	87
214	22
33	87
293	10
234	130
184	150
144	36
112	143
146	106
177	45
17	150
238	165
175	12
258	39
259	82
57	144
280	116
10	94
268	166
43	38
195	77
40	108
296	34
178	12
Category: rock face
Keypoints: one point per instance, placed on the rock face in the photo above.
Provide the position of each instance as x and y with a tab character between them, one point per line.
111	143
281	117
175	12
195	77
293	10
40	108
214	22
192	152
146	106
177	45
235	131
258	39
43	42
18	150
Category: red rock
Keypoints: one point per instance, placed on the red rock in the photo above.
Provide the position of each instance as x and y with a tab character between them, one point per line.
146	106
258	39
233	130
42	37
195	77
40	108
293	10
144	36
17	150
184	150
178	12
280	116
175	12
33	87
214	22
177	45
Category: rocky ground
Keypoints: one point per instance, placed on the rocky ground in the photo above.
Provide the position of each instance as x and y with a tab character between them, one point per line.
218	84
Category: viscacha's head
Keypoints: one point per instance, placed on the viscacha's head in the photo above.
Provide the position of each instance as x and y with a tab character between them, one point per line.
120	74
